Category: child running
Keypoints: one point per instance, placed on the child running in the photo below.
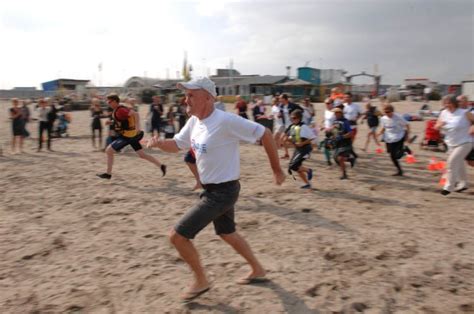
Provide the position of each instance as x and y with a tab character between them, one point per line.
300	136
129	133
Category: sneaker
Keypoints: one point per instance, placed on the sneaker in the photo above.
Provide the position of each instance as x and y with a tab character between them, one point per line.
307	186
398	174
329	163
310	174
445	192
163	170
344	177
352	161
104	176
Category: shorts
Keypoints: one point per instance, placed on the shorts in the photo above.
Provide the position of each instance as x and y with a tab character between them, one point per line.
299	156
373	129
216	205
122	141
189	157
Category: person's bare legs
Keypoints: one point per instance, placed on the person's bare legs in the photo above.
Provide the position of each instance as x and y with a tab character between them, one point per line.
342	165
150	158
13	144
195	173
21	138
189	254
302	172
243	248
110	158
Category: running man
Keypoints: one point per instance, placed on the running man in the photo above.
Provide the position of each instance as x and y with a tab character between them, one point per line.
214	137
127	125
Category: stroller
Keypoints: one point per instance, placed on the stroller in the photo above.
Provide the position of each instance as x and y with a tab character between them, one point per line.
433	139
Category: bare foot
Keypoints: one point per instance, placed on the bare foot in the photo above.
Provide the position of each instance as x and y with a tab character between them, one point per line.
194	291
198	186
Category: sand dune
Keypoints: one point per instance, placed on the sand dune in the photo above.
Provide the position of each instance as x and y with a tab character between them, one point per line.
374	244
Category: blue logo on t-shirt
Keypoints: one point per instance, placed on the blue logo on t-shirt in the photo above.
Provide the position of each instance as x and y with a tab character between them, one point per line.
199	148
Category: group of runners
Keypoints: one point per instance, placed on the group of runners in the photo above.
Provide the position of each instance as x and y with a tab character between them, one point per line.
210	140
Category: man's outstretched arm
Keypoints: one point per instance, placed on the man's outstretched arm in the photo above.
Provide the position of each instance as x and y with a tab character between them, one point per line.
166	145
272	153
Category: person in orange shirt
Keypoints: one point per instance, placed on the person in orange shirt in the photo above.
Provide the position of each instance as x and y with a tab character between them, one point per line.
337	96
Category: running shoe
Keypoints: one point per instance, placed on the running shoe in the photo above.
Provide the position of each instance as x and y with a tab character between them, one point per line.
104	176
163	169
310	174
307	186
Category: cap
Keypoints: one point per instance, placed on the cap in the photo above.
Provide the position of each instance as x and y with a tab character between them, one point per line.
337	110
199	83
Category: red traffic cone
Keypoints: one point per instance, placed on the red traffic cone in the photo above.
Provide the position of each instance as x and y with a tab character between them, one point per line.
441	165
432	165
410	159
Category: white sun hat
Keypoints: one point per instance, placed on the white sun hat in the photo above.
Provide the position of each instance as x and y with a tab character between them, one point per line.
199	83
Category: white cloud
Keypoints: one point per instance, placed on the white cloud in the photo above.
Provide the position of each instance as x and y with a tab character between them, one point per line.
43	40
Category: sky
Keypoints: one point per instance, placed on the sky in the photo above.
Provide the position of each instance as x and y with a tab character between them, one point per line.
49	39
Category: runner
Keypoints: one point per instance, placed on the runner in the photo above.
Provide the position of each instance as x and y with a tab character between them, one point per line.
341	137
241	107
456	123
300	136
286	108
214	137
127	125
395	131
372	116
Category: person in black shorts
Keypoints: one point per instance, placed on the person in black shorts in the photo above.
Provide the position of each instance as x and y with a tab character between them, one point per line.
128	129
341	135
219	171
190	160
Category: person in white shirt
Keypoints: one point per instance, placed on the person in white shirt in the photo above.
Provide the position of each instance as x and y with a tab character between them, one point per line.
395	131
455	123
300	136
214	137
281	121
44	124
352	112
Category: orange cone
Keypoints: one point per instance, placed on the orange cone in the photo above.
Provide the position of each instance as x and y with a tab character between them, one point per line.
441	165
410	159
432	165
379	151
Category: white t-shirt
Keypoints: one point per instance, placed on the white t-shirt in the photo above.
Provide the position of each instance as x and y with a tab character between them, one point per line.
282	121
394	128
307	132
457	126
328	118
352	111
215	142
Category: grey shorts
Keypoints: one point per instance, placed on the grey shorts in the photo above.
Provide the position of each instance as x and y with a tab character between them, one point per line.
216	205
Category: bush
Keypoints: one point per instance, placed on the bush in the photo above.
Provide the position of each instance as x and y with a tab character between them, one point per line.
147	96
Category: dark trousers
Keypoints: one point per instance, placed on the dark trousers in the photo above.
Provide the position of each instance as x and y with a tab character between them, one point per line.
44	126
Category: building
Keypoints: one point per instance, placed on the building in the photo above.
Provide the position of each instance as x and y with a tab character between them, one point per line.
66	87
22	92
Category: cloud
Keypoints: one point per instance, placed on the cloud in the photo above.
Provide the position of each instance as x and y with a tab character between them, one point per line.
47	39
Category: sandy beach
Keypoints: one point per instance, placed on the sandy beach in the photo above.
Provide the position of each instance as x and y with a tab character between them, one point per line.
72	243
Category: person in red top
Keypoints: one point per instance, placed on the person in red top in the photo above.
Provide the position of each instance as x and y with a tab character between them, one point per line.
127	125
241	107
